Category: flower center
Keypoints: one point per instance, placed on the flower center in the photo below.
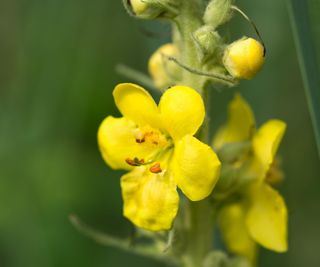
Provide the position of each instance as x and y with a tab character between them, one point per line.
149	135
157	143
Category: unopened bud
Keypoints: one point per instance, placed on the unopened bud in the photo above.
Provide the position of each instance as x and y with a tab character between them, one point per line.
207	40
161	68
218	12
151	9
244	58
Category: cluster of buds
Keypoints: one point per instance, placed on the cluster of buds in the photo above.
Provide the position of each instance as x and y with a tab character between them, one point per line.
241	59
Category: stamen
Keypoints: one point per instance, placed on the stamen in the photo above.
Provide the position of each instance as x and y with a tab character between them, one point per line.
139	141
138	161
135	162
140	137
155	168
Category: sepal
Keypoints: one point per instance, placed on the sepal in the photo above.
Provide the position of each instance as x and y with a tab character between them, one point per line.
218	12
207	41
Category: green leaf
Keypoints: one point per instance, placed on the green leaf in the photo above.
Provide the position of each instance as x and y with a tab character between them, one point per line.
123	244
305	19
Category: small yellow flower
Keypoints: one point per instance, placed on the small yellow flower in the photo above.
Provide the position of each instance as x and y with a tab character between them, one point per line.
244	58
261	216
156	144
163	71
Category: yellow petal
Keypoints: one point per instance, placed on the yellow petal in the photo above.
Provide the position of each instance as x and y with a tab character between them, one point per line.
150	200
266	142
196	168
117	142
182	110
240	125
136	104
234	231
267	218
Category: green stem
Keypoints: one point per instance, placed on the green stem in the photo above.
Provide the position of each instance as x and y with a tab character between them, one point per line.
200	235
200	219
188	21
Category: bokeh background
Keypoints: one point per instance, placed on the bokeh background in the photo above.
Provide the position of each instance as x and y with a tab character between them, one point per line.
57	72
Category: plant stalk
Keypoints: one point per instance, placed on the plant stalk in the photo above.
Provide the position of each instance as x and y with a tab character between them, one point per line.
200	219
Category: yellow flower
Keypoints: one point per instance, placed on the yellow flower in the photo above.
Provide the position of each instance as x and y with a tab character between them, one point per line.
156	144
244	58
261	215
163	71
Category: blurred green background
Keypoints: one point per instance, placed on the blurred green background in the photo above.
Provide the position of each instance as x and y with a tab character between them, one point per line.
56	78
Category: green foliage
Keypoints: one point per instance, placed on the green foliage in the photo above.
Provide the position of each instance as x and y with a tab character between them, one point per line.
305	23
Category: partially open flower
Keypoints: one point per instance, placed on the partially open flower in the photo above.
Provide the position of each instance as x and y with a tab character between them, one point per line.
244	58
156	144
261	214
164	72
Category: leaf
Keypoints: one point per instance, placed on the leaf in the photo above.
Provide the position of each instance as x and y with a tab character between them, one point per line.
304	17
123	244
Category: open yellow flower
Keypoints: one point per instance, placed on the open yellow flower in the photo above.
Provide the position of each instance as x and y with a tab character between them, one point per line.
156	144
261	216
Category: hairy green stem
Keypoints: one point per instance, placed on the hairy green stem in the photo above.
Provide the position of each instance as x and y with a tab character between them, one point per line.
200	219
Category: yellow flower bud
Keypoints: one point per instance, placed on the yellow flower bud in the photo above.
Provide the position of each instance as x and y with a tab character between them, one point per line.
244	58
139	7
162	70
151	9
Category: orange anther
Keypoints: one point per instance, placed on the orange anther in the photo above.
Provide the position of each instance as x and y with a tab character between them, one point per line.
140	140
155	168
131	162
135	162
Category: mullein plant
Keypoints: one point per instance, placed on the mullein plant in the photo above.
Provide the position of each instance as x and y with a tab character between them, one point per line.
181	187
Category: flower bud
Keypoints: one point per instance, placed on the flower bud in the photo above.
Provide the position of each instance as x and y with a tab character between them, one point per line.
244	58
207	40
151	9
162	70
218	12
